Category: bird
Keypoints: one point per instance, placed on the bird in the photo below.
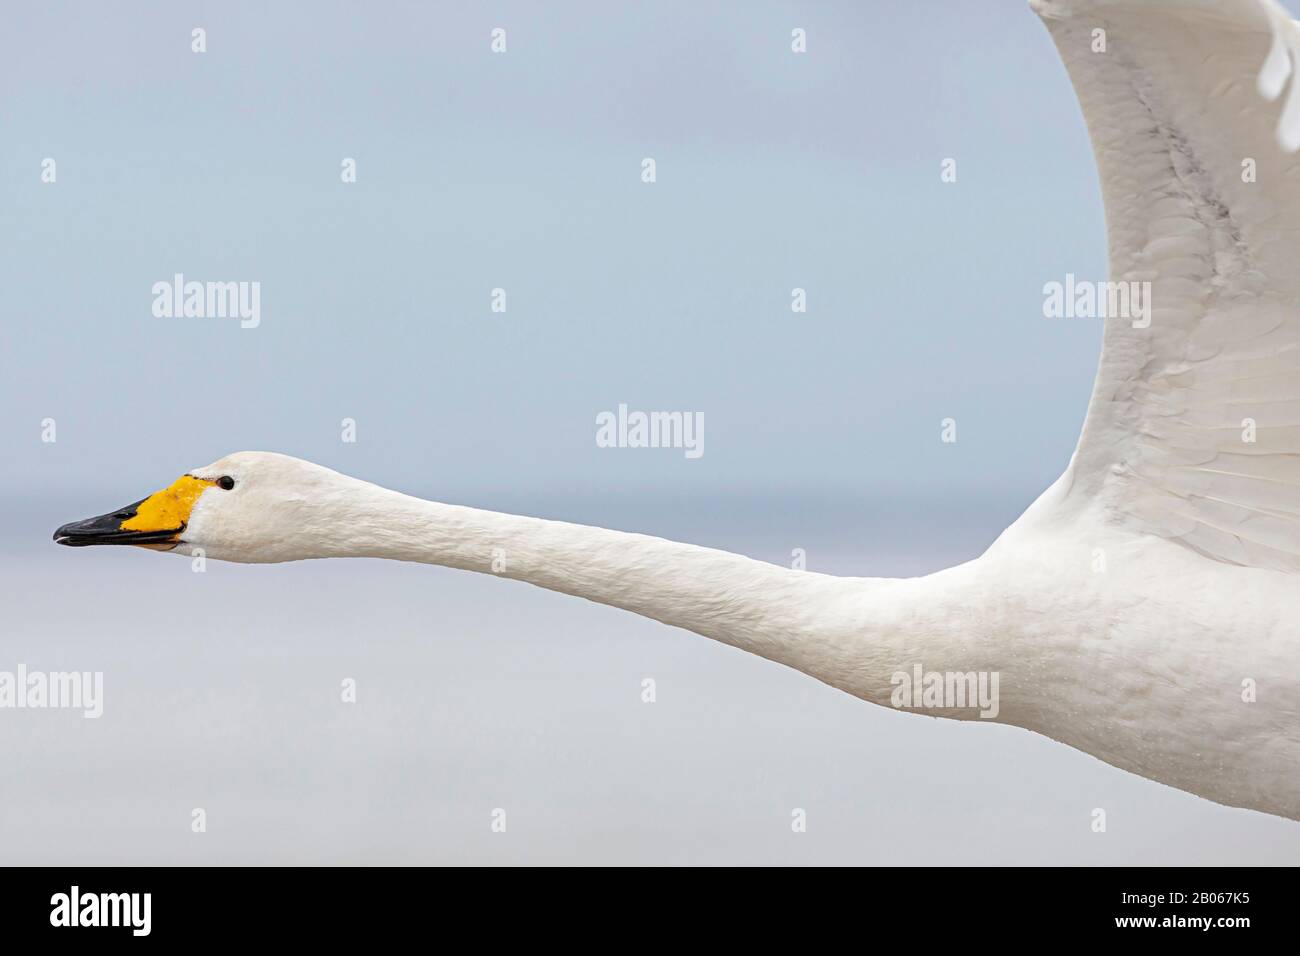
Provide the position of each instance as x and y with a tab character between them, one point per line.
1145	609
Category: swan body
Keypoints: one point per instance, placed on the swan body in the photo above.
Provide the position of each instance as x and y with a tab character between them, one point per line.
1145	608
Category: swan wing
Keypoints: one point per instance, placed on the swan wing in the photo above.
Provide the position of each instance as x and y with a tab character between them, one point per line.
1193	430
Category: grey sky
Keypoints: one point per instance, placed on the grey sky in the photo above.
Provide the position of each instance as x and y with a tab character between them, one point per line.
521	171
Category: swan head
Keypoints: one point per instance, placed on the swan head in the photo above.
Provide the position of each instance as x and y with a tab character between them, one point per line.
251	506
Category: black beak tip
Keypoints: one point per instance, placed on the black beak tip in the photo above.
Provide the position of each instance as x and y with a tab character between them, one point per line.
68	534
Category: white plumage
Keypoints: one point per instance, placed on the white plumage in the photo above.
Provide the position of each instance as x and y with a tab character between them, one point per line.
1146	609
1202	203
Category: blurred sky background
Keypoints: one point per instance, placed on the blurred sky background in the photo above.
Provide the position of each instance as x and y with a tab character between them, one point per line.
522	171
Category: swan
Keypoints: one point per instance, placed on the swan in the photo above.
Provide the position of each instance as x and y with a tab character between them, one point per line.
1145	609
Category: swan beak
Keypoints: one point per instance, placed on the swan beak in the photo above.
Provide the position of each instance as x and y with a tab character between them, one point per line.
155	522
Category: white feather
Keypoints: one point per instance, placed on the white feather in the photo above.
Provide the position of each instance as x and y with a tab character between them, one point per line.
1131	606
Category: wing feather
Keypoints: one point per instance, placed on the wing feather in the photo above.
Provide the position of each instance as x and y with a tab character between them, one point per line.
1193	430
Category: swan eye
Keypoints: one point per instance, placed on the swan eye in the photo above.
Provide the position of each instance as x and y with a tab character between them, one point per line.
225	482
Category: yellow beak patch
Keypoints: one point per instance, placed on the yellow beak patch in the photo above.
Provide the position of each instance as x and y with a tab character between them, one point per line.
169	509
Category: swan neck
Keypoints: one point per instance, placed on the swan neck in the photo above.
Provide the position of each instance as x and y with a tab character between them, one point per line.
853	633
760	607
